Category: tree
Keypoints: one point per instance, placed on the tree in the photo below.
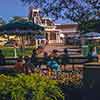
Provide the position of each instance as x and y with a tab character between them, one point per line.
90	26
29	87
18	19
79	11
2	21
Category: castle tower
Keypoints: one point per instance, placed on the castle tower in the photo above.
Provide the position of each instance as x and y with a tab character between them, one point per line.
36	16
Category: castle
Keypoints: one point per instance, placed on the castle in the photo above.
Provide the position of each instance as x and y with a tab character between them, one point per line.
55	33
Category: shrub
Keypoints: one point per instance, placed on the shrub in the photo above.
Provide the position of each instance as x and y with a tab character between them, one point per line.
29	87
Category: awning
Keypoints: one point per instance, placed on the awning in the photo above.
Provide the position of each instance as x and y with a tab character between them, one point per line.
92	35
23	27
40	37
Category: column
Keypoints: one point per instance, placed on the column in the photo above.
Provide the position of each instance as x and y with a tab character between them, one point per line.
56	37
48	37
36	42
59	38
57	34
39	41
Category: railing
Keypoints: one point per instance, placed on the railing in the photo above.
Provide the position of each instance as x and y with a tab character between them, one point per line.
75	64
72	60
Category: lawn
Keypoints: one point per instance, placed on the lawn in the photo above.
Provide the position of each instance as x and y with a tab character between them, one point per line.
9	51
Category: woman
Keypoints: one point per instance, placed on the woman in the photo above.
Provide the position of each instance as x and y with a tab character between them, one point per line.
34	59
53	64
65	59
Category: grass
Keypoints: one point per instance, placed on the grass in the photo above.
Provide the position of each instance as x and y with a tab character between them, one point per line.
9	51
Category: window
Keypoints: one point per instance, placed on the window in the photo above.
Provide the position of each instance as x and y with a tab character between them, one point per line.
52	36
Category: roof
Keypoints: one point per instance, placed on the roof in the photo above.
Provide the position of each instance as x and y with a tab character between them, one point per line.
92	34
65	26
49	22
21	26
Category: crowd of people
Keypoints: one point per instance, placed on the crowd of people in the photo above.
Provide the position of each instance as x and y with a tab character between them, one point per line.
51	61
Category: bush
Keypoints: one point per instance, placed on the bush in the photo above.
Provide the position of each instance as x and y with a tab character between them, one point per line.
9	51
29	87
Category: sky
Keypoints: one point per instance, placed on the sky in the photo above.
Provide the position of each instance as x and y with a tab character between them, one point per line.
9	8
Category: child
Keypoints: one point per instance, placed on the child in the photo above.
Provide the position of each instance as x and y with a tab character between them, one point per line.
19	65
54	66
28	66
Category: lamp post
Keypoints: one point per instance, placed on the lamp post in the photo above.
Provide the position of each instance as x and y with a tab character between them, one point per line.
15	51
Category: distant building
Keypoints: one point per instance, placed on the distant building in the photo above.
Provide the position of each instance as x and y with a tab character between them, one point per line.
55	33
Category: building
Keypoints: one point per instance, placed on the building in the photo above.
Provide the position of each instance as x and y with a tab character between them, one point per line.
55	33
70	32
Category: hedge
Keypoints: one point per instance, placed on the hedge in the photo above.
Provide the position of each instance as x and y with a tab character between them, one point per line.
29	87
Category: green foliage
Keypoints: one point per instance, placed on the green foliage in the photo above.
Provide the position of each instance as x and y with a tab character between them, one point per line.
9	51
90	26
78	11
29	87
2	21
75	10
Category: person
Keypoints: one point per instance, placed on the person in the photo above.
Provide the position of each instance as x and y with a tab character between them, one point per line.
53	62
53	66
2	58
46	57
40	53
40	49
54	54
46	42
34	58
19	65
92	54
35	55
65	59
28	66
45	70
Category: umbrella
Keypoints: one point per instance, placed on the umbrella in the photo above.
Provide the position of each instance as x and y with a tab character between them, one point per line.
92	35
